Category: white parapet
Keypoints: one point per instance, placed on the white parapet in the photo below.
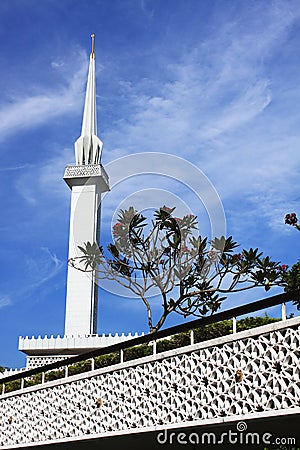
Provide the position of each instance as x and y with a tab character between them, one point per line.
69	345
8	372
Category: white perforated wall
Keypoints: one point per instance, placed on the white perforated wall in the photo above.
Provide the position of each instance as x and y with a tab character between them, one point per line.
243	374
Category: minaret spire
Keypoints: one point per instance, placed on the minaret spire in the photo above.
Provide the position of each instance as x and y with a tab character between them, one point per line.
88	146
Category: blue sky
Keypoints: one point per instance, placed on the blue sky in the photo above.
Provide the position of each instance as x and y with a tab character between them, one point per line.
214	82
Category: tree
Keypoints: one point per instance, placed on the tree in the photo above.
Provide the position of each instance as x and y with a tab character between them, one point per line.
292	280
191	274
292	276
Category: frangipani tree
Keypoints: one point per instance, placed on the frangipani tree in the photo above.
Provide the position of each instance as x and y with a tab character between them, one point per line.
192	275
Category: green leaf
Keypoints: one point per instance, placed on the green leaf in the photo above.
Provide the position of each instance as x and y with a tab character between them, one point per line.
83	250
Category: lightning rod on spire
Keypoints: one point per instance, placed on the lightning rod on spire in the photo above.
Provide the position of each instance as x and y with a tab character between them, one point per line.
93	46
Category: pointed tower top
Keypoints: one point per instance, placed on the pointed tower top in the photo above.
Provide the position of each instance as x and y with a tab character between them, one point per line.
88	146
93	46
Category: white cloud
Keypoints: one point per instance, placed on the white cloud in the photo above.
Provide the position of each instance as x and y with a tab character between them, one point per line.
37	184
221	109
5	300
20	167
57	64
56	261
27	110
41	269
36	271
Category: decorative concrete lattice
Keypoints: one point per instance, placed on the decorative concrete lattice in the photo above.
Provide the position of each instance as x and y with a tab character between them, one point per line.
235	377
38	361
83	171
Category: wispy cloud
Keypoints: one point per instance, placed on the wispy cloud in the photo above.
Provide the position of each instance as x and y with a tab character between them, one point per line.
217	106
215	88
41	269
220	108
5	300
56	261
21	167
145	8
36	184
30	110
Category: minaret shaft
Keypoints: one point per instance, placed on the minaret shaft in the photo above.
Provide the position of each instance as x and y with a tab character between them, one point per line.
82	294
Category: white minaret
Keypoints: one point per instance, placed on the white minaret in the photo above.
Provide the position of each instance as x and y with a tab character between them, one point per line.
87	180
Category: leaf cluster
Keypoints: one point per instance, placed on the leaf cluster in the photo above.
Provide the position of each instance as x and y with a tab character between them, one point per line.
92	255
